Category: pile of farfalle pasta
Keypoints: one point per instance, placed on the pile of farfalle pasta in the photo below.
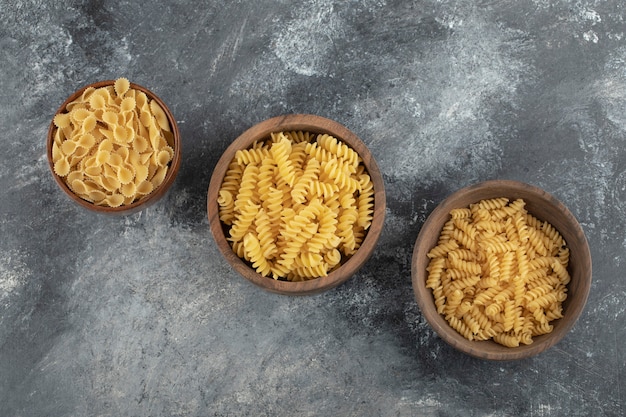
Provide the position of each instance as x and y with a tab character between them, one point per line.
499	273
113	145
296	205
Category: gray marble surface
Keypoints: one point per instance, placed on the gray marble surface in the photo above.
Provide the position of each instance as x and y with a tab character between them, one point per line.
141	316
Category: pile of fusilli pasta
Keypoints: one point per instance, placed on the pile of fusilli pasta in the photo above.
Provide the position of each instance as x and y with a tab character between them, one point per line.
499	273
296	205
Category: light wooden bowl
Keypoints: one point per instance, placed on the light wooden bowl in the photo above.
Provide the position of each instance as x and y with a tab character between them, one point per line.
543	206
313	124
144	202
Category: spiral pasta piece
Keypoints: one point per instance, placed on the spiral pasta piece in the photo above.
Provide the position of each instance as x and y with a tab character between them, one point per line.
265	234
365	202
247	188
332	258
339	149
243	222
298	136
460	213
265	178
303	183
252	248
251	156
280	151
435	270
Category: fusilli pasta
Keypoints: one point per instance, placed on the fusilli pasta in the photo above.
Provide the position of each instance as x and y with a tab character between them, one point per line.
498	273
296	205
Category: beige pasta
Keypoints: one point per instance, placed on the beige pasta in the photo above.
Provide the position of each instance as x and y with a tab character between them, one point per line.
499	273
113	146
296	205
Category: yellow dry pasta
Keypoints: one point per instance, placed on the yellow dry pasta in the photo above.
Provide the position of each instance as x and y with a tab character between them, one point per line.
116	140
296	205
499	273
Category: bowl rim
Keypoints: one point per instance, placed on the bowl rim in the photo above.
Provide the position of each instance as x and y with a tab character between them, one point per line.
315	124
488	349
138	205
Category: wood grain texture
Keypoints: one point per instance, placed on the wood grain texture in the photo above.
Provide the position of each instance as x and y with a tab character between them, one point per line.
138	205
315	124
543	206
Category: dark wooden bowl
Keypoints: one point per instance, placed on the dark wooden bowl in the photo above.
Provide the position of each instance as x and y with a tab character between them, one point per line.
314	124
543	206
144	202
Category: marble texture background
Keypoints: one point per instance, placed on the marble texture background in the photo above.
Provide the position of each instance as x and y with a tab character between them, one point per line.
140	315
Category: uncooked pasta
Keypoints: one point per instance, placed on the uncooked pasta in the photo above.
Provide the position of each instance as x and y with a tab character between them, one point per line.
296	205
499	273
113	145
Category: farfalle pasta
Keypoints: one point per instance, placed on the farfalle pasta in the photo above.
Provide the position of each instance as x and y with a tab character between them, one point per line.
113	145
499	273
296	205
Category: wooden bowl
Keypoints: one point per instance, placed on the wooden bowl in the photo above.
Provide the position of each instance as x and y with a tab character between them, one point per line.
544	207
305	123
147	200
